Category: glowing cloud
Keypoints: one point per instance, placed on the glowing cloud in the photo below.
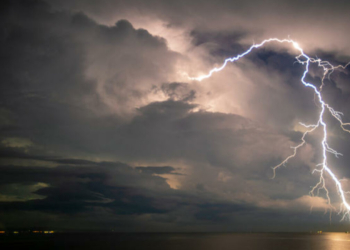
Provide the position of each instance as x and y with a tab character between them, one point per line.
323	167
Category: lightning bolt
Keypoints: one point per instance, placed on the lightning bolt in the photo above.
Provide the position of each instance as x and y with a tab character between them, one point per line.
323	167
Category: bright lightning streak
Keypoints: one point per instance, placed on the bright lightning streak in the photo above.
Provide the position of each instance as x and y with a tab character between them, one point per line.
328	69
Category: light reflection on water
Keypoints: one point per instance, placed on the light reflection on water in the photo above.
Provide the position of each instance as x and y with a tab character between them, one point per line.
253	241
288	241
336	241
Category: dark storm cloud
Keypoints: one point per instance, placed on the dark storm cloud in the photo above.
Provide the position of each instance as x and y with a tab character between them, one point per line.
75	189
43	43
157	170
79	97
81	191
45	84
179	91
304	21
219	43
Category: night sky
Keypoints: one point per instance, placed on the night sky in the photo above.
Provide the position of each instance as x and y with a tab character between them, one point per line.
101	129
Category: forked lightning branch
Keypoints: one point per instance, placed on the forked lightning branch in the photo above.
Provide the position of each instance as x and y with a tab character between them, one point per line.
322	168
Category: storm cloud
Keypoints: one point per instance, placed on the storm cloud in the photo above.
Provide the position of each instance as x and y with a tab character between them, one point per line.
101	129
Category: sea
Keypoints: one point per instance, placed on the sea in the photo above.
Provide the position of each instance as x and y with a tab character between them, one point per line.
179	241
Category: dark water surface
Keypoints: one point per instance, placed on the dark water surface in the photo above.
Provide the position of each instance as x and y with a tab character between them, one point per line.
171	241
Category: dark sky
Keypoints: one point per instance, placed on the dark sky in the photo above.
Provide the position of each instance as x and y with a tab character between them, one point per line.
102	130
